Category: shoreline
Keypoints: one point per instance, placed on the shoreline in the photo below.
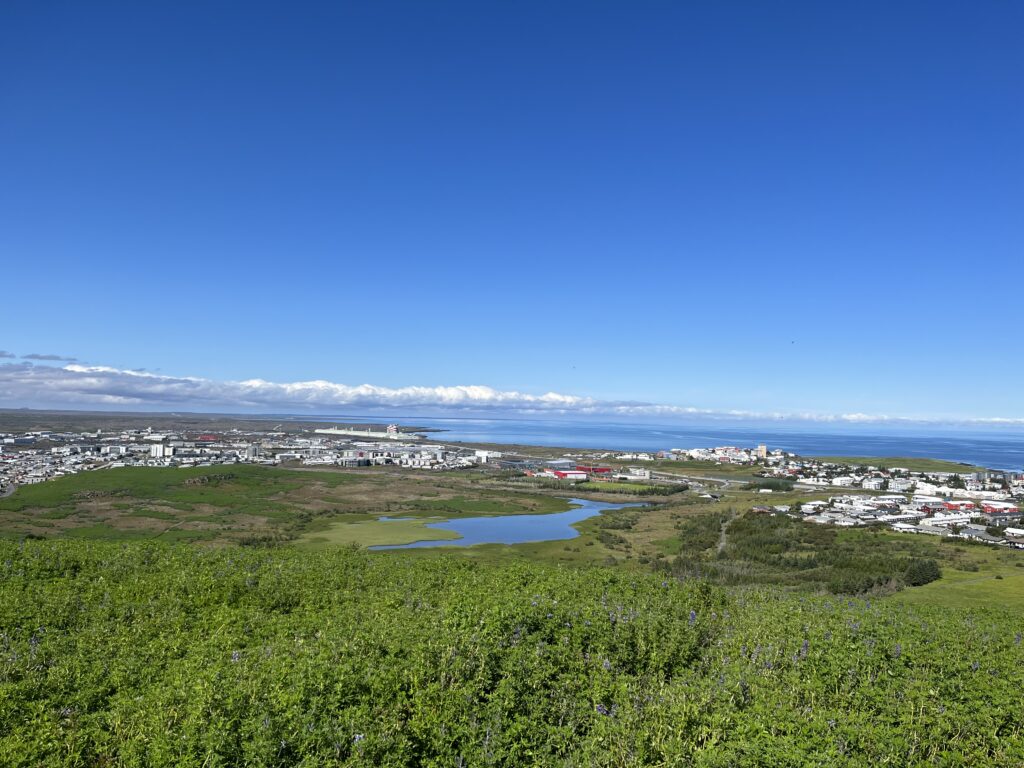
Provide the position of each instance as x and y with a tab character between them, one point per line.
995	451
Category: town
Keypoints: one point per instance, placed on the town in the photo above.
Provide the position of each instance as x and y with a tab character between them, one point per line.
34	457
979	505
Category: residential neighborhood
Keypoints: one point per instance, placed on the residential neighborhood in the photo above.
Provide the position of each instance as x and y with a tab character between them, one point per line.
34	457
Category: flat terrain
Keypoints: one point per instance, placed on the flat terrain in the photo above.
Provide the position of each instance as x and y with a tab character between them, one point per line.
30	420
255	504
373	532
913	464
997	583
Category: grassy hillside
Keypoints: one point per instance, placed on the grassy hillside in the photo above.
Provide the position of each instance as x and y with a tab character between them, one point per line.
151	654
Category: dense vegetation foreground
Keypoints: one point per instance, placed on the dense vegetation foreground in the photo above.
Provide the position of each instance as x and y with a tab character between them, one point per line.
147	654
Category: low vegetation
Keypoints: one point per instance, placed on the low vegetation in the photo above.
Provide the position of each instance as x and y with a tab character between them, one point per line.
249	504
136	654
731	547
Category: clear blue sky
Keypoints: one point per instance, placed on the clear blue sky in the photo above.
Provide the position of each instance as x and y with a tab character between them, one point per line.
793	206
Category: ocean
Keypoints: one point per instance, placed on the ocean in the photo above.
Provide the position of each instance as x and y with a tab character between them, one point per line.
993	449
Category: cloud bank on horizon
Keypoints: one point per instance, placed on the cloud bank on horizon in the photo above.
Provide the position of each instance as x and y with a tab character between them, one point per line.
77	385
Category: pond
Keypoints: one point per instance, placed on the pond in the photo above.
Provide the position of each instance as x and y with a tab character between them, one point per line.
513	529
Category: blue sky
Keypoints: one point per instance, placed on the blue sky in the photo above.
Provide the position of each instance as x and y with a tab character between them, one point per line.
764	207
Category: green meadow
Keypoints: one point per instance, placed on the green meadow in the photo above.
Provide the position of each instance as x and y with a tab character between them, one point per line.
912	464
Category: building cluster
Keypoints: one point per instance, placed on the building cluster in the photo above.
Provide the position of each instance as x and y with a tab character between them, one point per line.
988	521
34	457
985	484
726	454
571	471
344	453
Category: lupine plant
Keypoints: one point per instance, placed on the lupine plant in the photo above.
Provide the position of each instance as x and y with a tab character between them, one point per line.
151	655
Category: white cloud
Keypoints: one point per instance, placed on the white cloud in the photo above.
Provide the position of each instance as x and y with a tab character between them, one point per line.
77	385
103	385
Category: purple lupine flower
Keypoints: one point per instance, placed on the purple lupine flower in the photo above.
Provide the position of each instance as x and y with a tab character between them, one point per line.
1016	639
358	737
602	710
693	617
897	651
606	665
975	665
804	648
236	656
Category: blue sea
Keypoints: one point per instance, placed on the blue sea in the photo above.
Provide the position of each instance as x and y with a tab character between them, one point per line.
992	448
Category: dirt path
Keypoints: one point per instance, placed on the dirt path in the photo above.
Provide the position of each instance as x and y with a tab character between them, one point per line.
723	536
170	528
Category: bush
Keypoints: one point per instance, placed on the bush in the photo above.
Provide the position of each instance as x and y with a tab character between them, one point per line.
151	654
771	485
922	571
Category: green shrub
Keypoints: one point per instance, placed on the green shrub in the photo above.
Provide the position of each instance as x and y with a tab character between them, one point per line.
148	654
922	571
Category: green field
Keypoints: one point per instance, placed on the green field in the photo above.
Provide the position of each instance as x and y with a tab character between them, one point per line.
370	533
689	466
998	582
624	487
246	503
912	464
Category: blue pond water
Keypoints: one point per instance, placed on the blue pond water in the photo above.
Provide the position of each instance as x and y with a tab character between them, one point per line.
513	529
